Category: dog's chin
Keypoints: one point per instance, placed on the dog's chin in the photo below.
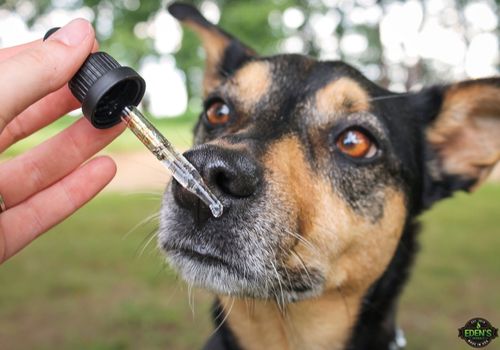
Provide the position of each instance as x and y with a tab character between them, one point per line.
208	272
232	255
216	275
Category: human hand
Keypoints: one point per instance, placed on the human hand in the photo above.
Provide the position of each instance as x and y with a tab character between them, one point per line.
48	183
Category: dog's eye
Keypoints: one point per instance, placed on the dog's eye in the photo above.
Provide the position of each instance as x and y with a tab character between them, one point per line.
218	113
356	144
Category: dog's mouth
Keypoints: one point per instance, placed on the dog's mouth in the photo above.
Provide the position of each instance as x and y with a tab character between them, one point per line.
202	258
242	253
197	255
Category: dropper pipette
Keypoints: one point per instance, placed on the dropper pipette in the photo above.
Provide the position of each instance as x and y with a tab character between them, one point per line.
109	94
183	171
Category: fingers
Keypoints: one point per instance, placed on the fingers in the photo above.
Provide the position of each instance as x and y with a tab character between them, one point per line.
40	167
8	52
38	115
38	71
14	50
23	223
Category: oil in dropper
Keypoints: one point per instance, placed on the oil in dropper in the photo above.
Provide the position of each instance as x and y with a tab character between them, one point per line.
183	171
109	93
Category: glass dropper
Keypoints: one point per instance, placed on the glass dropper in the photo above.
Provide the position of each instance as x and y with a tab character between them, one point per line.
109	93
183	171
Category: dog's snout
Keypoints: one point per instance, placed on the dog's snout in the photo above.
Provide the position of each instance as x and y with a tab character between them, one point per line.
234	178
232	175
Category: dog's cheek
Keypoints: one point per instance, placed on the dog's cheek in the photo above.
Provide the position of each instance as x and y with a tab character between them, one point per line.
361	249
296	186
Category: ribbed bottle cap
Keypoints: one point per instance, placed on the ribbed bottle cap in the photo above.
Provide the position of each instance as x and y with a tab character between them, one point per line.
105	88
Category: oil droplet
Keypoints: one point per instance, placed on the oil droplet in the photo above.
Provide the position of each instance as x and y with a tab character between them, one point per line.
217	209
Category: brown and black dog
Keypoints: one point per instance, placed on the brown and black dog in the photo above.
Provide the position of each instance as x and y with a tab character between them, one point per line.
322	174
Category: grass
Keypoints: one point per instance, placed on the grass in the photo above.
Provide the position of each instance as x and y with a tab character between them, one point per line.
88	284
177	130
457	272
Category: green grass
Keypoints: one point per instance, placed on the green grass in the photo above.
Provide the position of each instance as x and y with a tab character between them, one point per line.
457	273
177	130
86	284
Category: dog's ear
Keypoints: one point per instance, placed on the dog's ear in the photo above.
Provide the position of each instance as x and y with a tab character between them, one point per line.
224	53
462	132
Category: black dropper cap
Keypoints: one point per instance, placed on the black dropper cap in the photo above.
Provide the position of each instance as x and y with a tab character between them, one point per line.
105	88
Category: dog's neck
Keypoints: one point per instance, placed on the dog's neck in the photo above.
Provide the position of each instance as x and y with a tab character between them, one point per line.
332	321
322	323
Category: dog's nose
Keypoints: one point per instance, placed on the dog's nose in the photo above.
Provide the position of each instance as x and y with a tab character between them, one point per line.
231	174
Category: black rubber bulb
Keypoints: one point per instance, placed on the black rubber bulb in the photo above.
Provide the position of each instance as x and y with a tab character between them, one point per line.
104	88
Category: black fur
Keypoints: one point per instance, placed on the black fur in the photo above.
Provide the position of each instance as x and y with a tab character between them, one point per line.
187	12
397	123
223	339
375	328
236	52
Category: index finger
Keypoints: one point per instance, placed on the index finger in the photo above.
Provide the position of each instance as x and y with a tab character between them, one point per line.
36	72
8	52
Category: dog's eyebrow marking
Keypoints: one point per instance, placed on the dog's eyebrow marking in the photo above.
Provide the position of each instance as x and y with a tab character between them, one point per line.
251	83
343	95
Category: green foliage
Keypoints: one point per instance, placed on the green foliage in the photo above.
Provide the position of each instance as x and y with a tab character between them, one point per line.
251	22
91	284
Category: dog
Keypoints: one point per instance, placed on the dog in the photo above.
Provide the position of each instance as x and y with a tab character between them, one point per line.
322	174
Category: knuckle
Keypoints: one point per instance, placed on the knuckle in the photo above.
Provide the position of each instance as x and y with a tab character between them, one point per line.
71	203
31	167
35	217
15	131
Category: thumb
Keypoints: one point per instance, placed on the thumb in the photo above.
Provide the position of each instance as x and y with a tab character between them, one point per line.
44	68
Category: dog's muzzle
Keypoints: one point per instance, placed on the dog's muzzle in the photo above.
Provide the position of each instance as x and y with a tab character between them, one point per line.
233	175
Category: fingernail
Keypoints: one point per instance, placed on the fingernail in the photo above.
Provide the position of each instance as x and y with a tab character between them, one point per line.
73	33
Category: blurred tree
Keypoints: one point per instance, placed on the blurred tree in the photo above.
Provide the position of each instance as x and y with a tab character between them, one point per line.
400	44
117	35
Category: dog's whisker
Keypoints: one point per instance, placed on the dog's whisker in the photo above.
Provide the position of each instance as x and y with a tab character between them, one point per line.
387	97
291	329
151	199
191	299
152	236
221	311
138	193
279	283
282	314
302	240
146	239
144	221
303	265
284	268
225	316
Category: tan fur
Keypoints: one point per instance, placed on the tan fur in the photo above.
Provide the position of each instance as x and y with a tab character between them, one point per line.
466	132
315	324
250	83
352	252
342	95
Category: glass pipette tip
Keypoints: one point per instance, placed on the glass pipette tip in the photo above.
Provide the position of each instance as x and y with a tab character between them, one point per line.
182	170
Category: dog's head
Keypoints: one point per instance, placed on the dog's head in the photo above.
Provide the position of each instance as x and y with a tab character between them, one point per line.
318	168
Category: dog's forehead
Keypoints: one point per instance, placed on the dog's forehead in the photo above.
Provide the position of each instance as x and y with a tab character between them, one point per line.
281	84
